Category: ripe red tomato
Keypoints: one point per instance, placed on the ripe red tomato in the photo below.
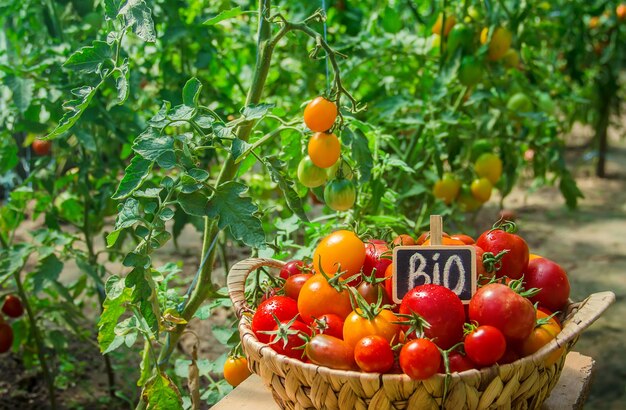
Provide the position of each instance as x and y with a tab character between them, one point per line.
340	250
458	363
420	359
330	351
320	114
293	284
287	341
548	276
6	337
377	256
328	324
515	261
236	370
373	354
324	149
357	327
41	147
281	307
291	268
441	308
12	306
403	240
485	345
318	297
499	306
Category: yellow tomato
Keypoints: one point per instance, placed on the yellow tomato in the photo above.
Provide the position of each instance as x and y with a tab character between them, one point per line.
447	188
450	22
500	42
489	166
481	189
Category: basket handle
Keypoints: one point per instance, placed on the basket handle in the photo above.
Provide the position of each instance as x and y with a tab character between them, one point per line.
236	280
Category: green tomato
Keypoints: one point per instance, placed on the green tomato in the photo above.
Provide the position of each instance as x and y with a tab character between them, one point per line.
340	194
346	171
470	71
480	147
545	103
460	37
309	174
519	102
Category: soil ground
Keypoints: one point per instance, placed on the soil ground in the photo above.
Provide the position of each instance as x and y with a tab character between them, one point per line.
589	243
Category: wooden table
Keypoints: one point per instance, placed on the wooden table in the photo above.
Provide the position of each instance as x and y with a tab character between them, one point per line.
570	393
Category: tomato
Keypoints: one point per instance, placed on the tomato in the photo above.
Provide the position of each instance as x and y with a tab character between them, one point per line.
377	256
373	354
293	284
519	102
324	149
332	352
466	239
441	308
511	58
318	297
446	241
499	44
270	292
281	307
548	276
320	114
594	22
447	188
41	148
470	71
420	359
346	171
515	261
329	324
309	174
357	326
340	194
6	337
489	166
340	250
460	37
236	370
467	203
12	306
485	345
370	291
458	362
294	267
545	104
450	22
286	339
480	267
499	306
388	281
510	355
543	333
481	189
403	240
620	11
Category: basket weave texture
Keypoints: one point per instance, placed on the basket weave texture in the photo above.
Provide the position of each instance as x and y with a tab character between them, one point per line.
523	384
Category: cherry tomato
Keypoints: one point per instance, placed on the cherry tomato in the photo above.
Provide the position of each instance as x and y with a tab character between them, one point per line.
499	44
446	241
403	240
594	22
620	11
447	188
293	284
41	148
12	306
281	307
489	166
420	359
458	362
515	261
373	354
499	306
441	308
320	114
324	149
236	370
470	71
340	194
309	174
485	345
6	337
481	189
287	341
377	256
340	250
466	239
330	351
369	291
511	58
291	268
357	327
519	102
329	324
450	22
546	275
317	297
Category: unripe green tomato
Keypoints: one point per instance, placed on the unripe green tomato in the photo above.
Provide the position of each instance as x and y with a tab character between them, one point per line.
470	71
518	103
309	174
345	170
545	103
460	36
340	194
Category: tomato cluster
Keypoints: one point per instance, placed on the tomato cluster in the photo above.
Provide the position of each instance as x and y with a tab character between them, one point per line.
337	312
12	307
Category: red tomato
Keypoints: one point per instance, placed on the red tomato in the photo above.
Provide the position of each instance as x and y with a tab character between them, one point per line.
286	339
293	284
441	308
281	307
510	355
499	306
377	256
6	337
466	239
403	240
357	327
12	306
339	250
546	275
373	354
485	345
269	293
332	352
320	114
514	262
41	148
420	359
389	282
480	268
291	268
459	363
318	297
329	324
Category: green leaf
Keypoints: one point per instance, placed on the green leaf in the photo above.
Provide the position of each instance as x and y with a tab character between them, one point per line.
237	213
154	147
570	190
121	83
114	287
22	89
224	15
194	203
160	393
138	260
113	308
75	108
135	173
198	174
143	294
278	173
89	59
112	8
222	333
13	260
8	154
138	16
255	112
191	92
238	149
360	151
128	215
47	271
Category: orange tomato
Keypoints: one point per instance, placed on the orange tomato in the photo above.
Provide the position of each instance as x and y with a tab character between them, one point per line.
594	22
320	114
340	250
357	327
404	240
466	239
324	149
450	22
317	297
500	42
236	370
541	336
446	241
620	11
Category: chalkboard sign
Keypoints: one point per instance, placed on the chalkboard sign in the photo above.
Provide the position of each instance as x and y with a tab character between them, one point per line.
451	266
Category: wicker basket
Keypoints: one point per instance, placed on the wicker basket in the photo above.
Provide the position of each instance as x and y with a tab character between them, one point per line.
524	384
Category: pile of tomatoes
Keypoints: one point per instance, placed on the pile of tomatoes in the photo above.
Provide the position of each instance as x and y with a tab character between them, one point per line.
12	307
337	309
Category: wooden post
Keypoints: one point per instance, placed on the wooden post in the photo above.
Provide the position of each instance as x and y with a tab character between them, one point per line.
436	230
